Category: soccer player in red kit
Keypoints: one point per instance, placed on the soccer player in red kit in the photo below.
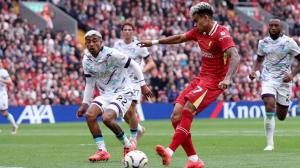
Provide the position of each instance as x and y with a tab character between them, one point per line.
220	61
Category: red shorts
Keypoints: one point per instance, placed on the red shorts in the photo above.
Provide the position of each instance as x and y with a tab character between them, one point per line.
201	92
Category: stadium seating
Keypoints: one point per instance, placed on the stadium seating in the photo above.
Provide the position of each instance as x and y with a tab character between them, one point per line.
46	67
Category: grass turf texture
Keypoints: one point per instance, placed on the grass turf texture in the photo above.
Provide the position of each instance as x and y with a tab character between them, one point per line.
233	143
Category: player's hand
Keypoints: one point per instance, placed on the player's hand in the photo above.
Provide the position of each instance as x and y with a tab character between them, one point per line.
223	85
1	79
252	75
287	78
81	110
145	43
146	92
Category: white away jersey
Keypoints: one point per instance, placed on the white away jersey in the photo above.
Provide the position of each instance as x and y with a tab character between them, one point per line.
108	70
279	55
134	51
4	75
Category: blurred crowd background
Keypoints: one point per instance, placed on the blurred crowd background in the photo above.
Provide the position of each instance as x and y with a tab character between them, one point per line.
46	68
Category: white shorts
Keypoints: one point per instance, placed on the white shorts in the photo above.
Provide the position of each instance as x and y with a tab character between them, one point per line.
120	103
136	92
280	91
3	102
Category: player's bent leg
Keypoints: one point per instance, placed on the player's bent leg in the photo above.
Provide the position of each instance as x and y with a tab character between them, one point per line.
281	111
187	145
133	121
183	128
11	119
93	112
108	119
269	121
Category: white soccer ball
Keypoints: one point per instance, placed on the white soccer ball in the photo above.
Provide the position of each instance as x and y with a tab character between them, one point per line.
135	159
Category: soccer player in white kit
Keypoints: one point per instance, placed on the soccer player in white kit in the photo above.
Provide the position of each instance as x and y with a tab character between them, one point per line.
279	52
128	46
6	80
107	68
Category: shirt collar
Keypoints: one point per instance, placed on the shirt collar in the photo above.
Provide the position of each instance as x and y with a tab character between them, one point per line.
213	29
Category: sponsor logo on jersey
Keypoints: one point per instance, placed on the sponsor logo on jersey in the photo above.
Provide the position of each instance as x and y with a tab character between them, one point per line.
206	54
223	35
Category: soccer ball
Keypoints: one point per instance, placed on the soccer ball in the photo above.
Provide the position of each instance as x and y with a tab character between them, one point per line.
135	159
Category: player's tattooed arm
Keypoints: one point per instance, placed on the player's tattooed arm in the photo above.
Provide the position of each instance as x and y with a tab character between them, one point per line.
234	62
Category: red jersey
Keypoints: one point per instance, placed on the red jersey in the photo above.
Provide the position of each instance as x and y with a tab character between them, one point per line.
213	45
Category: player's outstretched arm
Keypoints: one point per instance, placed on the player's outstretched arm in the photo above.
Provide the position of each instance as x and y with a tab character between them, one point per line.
233	66
139	74
175	39
257	66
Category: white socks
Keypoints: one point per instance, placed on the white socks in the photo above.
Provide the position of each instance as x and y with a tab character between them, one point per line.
194	158
170	151
269	123
139	128
11	119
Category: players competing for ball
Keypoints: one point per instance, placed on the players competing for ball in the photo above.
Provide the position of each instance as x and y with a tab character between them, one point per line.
128	46
219	63
6	80
278	51
107	67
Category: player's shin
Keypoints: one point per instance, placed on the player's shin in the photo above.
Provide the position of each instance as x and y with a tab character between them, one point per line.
11	119
269	124
100	142
182	130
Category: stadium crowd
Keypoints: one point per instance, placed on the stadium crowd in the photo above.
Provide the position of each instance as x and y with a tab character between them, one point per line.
46	68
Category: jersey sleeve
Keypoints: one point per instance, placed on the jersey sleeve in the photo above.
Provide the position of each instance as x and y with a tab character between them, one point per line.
294	49
224	39
192	35
85	65
144	53
120	59
116	45
5	74
260	52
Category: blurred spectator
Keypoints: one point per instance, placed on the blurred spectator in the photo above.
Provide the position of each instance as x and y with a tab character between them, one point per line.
46	67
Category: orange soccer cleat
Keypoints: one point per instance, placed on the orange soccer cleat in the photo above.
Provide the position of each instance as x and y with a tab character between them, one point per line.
164	154
127	150
139	135
100	156
198	164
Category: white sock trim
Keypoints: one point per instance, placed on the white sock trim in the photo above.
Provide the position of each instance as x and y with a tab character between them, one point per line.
170	151
194	158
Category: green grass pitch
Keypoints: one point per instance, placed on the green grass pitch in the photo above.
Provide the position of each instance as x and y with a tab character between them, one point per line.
234	143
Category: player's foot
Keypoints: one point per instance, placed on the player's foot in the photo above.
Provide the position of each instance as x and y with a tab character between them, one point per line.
100	156
139	135
14	130
127	150
164	154
269	148
198	164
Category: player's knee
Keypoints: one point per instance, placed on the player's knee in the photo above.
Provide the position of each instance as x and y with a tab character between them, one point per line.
175	116
107	117
90	115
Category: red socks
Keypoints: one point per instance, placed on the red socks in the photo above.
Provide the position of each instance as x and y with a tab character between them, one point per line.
182	133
